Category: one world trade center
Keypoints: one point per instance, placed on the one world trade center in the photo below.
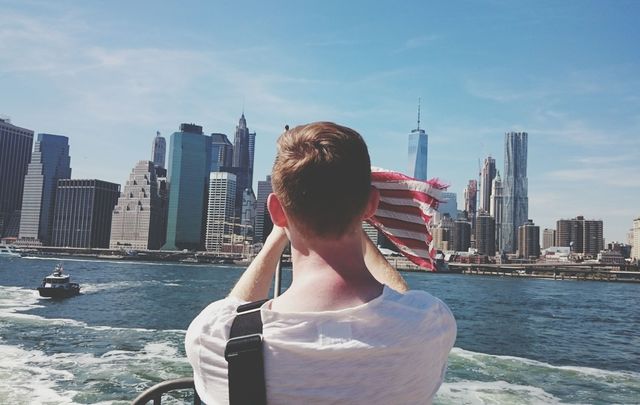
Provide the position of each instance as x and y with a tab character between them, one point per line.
418	148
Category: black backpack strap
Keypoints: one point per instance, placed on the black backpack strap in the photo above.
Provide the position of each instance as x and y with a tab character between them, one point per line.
244	357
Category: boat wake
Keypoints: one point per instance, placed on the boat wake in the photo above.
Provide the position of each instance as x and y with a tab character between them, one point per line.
65	361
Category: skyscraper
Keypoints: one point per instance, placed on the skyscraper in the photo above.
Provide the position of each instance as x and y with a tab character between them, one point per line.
418	151
220	209
515	205
243	153
82	215
137	218
158	150
528	240
461	235
495	208
548	238
487	174
15	151
470	200
485	234
187	178
635	250
221	152
50	162
263	219
584	236
448	206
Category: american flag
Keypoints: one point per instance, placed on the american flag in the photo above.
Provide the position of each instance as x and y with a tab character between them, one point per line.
406	207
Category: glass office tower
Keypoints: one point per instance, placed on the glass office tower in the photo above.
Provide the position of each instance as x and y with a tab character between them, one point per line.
187	178
50	162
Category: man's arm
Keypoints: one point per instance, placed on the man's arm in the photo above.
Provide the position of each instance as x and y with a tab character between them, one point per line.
380	267
255	282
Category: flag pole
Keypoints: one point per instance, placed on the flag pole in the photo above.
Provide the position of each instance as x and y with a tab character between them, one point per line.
277	282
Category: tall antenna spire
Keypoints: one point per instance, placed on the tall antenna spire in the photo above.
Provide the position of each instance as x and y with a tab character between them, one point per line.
418	114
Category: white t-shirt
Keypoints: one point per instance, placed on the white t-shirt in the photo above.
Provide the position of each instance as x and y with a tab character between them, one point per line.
391	350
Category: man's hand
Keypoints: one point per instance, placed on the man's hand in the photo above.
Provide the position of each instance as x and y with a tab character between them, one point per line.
255	282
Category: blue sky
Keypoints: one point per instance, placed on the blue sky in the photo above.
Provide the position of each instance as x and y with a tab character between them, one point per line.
109	74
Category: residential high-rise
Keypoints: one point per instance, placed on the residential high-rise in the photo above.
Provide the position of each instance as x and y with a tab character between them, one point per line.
515	200
583	236
461	236
485	234
187	178
82	215
528	240
548	238
635	249
159	150
418	151
137	218
221	152
50	162
263	219
220	209
15	151
487	174
495	208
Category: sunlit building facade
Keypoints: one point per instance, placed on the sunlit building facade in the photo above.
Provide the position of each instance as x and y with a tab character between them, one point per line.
50	161
515	200
187	179
220	210
137	218
15	152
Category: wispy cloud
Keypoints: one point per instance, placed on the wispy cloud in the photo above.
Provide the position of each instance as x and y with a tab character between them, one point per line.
418	42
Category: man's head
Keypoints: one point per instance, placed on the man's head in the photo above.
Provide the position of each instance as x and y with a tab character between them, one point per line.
322	178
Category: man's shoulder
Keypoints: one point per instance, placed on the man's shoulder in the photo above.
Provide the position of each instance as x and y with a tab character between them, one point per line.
217	311
417	300
424	310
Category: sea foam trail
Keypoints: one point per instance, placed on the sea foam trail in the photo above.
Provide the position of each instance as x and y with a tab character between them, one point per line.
31	376
479	378
492	392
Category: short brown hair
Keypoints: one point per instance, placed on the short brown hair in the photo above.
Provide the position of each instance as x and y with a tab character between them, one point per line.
322	177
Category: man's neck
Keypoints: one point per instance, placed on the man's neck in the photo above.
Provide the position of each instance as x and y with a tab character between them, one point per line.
328	275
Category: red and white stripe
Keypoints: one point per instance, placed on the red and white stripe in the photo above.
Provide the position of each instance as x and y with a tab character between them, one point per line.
405	210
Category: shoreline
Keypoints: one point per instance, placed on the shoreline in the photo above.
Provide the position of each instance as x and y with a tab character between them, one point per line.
549	271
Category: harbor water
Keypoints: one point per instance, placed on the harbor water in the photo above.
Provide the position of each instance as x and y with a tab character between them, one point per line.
520	341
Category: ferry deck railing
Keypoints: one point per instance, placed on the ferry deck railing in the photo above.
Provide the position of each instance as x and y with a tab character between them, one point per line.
155	393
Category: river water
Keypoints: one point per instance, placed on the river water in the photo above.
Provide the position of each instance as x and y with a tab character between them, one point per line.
520	341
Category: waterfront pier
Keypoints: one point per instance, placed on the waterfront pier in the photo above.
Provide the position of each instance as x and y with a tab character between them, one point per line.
555	271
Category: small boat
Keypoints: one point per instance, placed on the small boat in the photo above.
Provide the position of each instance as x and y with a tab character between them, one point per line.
5	251
58	285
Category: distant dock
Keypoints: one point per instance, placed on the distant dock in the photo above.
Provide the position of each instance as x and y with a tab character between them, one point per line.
553	271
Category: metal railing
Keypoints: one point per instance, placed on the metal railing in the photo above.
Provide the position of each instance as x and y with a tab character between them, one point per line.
155	393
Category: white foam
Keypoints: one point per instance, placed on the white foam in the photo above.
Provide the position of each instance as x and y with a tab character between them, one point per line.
480	359
23	379
31	376
492	392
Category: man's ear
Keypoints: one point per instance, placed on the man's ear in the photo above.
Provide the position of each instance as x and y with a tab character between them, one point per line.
372	204
276	211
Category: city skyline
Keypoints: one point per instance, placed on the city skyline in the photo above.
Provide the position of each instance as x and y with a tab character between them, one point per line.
105	79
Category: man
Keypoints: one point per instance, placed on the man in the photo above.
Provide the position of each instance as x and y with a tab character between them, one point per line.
347	330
